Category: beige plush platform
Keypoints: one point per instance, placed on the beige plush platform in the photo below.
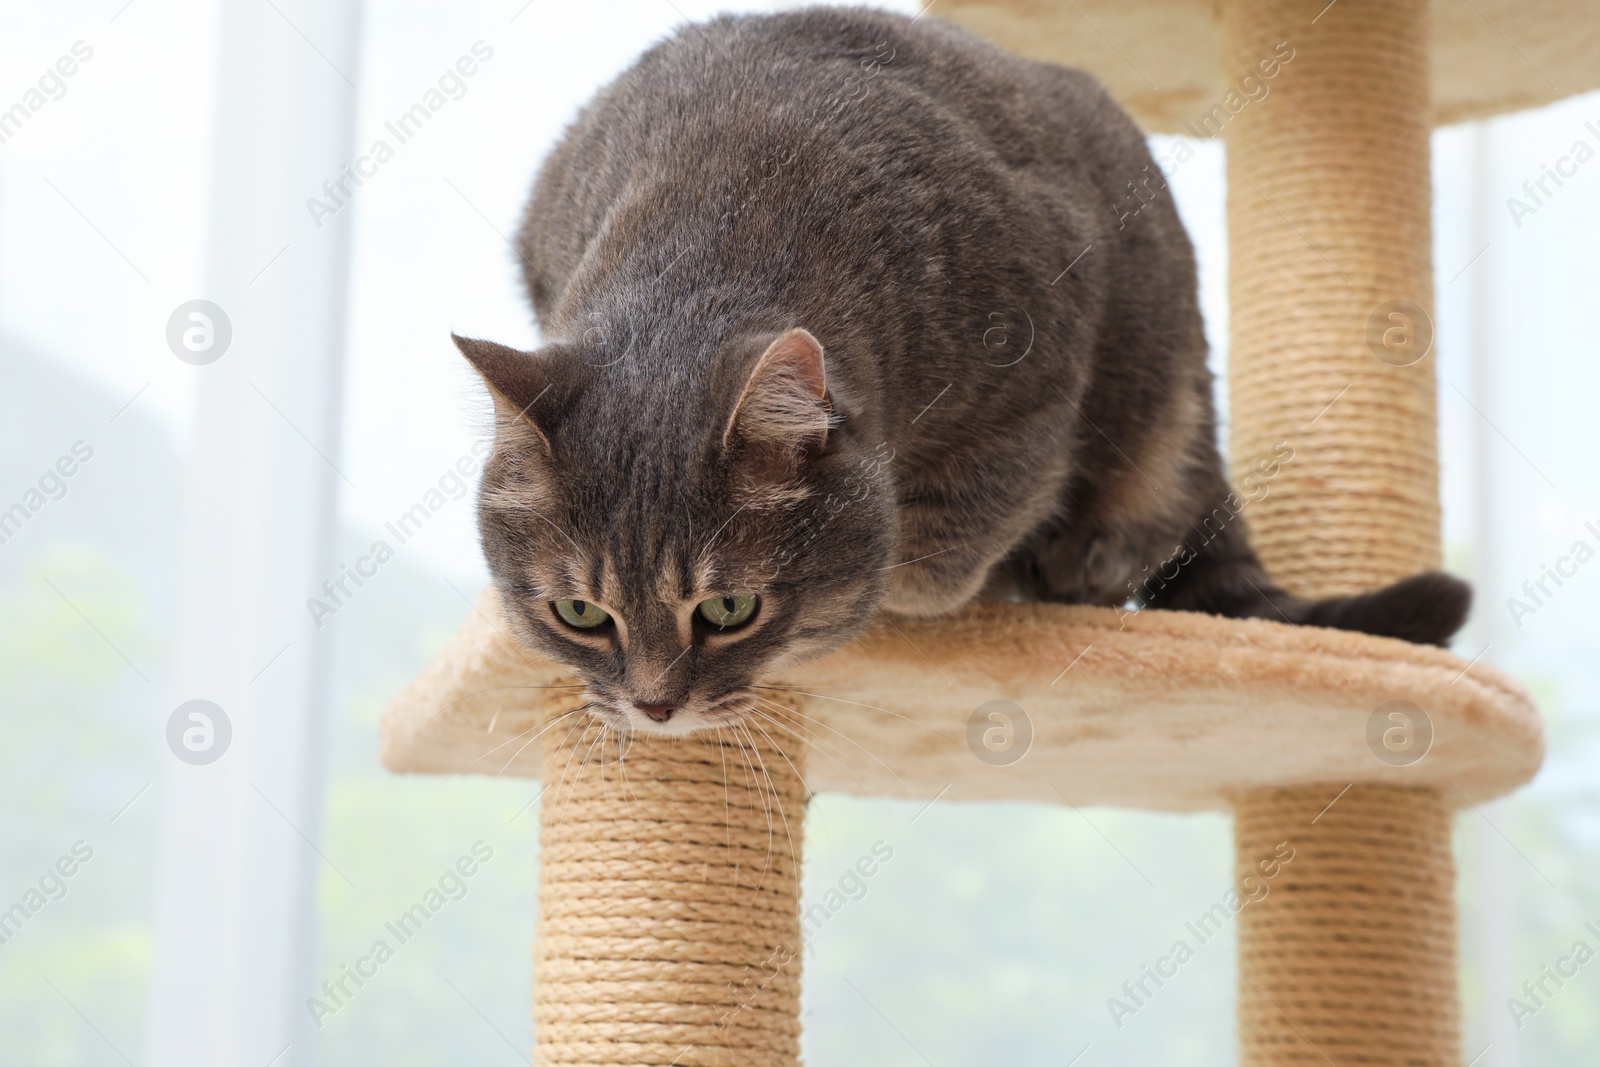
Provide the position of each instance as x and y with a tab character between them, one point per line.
1163	59
1159	710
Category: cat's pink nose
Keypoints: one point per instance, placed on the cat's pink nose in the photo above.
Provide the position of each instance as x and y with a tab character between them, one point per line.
658	712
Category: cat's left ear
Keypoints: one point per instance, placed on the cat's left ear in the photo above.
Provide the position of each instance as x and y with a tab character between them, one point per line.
519	382
785	400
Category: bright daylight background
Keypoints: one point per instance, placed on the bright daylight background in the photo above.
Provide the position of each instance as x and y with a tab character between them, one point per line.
994	935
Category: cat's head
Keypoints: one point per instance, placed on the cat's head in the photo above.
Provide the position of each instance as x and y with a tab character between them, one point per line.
674	529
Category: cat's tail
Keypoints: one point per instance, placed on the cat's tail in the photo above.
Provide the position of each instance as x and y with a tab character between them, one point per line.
1425	608
1224	577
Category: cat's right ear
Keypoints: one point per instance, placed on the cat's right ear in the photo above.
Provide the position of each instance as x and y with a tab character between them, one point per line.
784	403
517	382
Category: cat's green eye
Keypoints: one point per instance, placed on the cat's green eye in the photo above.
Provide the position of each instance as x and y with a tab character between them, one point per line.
580	614
726	612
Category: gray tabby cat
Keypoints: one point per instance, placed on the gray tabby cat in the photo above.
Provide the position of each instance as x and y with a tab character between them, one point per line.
846	312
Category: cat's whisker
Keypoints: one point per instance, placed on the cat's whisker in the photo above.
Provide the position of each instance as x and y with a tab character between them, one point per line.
730	708
840	755
559	795
564	789
772	787
818	722
749	781
754	779
554	789
524	506
859	704
727	814
514	737
794	866
817	742
788	831
755	784
573	713
775	802
616	763
583	761
623	741
805	739
502	688
919	559
713	539
769	717
810	740
599	742
605	732
495	689
536	726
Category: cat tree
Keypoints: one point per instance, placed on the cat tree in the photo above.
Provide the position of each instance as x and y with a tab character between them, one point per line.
669	908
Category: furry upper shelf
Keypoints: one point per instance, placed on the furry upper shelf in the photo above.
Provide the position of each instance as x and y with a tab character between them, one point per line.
1163	59
1167	711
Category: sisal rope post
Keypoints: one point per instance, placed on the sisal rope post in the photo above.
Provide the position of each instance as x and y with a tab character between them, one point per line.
669	897
1328	227
1351	957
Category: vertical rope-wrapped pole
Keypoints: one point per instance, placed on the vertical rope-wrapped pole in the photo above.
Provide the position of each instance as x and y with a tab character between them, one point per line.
669	898
1351	958
1330	238
1351	955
